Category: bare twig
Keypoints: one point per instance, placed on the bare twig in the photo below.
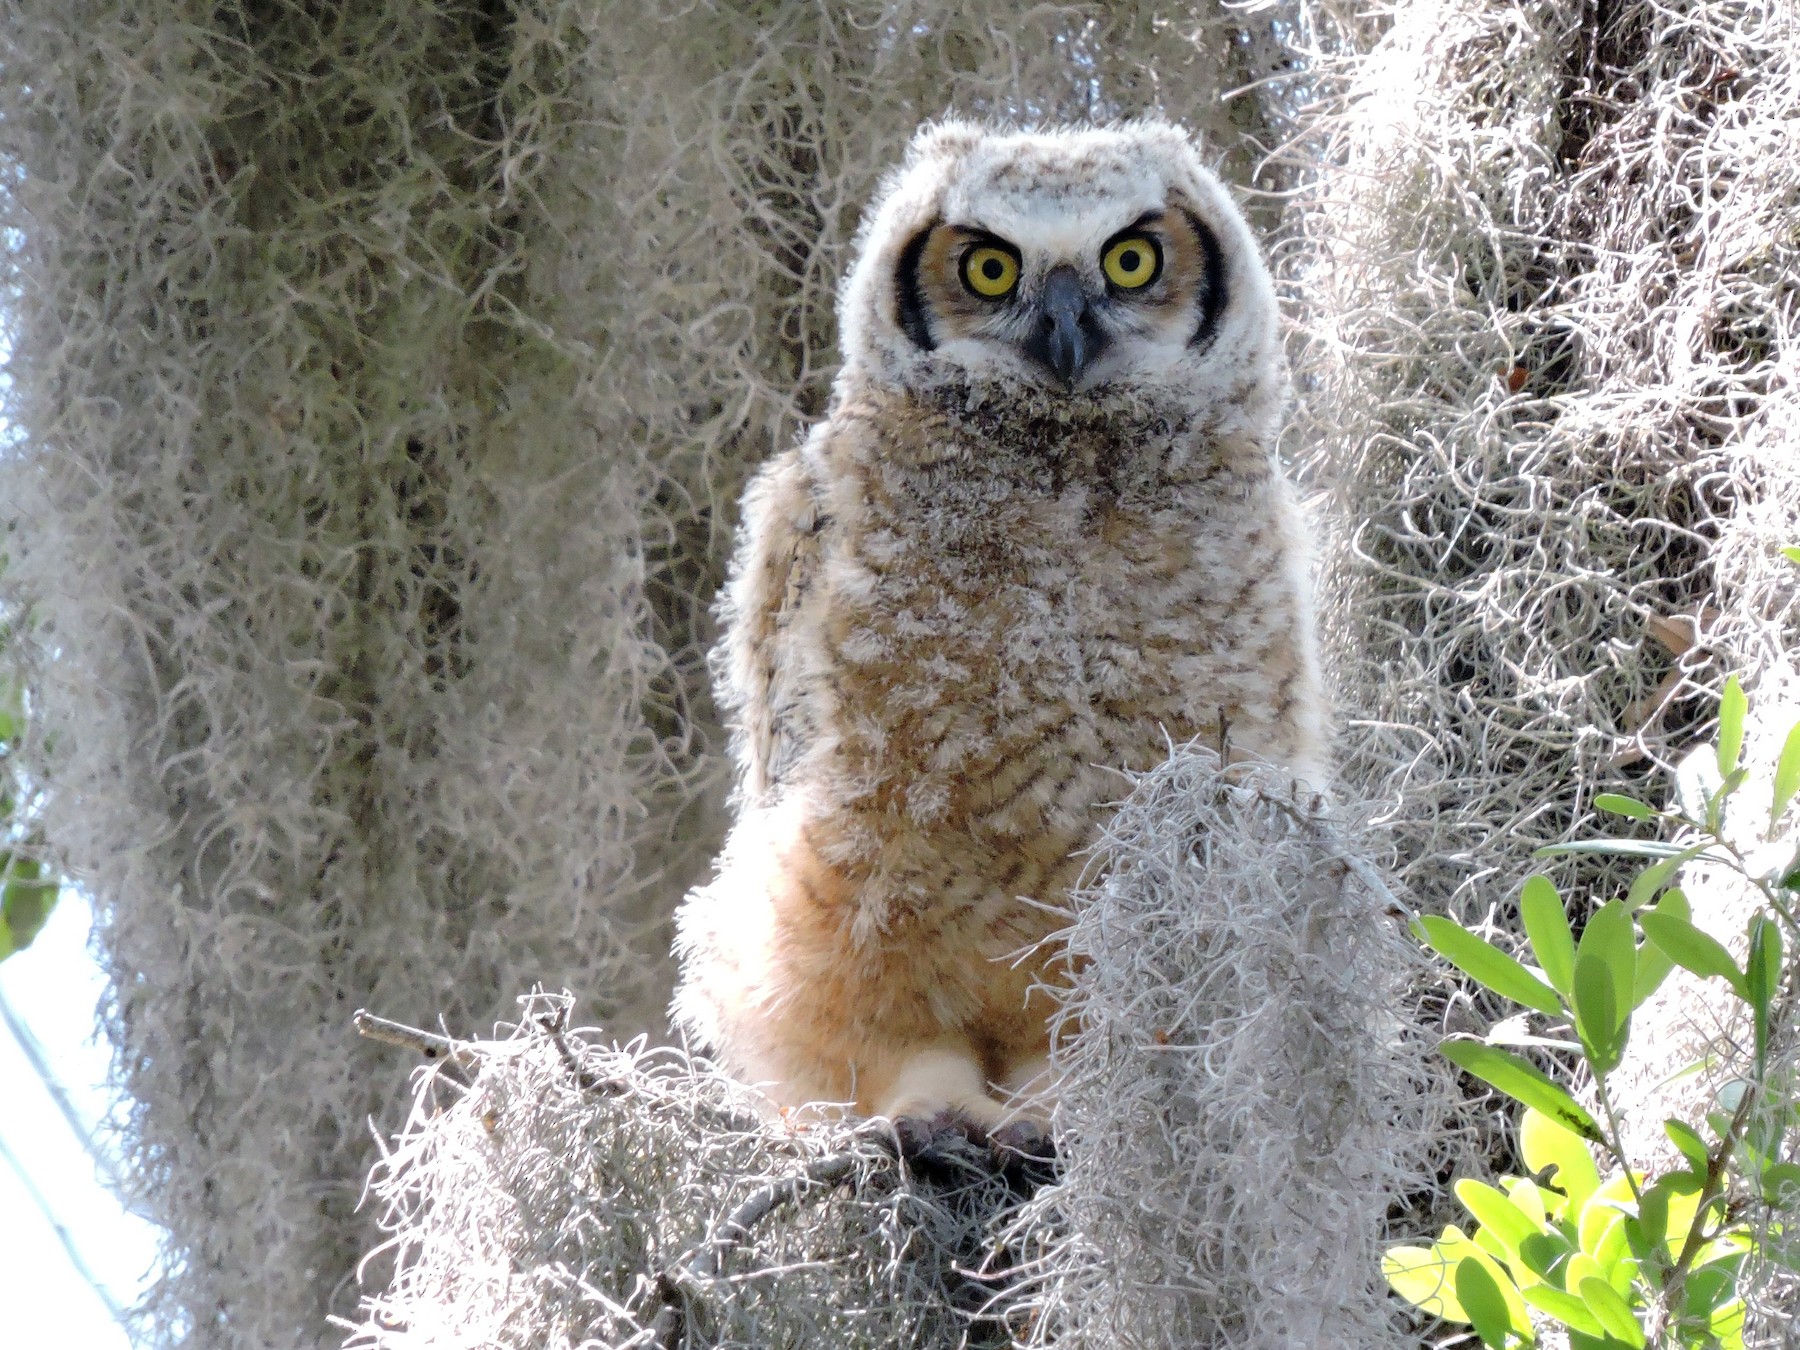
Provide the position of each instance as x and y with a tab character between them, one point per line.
555	1026
428	1044
760	1204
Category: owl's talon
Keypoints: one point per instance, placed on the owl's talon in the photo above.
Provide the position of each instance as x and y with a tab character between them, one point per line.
1026	1138
911	1135
949	1148
1025	1154
946	1129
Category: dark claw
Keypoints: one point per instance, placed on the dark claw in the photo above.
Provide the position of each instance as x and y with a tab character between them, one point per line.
913	1134
1026	1155
949	1147
946	1134
1028	1138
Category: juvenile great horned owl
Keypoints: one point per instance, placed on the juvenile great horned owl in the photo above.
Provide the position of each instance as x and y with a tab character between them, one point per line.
1039	536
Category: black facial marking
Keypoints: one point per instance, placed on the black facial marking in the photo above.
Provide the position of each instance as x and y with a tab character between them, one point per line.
907	298
1212	298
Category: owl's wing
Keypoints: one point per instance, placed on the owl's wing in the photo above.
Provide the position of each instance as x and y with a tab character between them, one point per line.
762	679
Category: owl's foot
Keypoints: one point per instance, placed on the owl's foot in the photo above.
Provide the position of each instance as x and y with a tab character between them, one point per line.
1026	1139
946	1120
940	1137
948	1146
936	1081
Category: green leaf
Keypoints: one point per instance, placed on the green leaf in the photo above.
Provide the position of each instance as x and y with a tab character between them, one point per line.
1715	800
1611	939
1479	1289
1762	968
1732	707
1653	963
1541	909
1692	949
1423	1277
1686	1138
1565	1307
1791	554
1704	1289
1604	1211
1498	1215
1727	1324
1789	878
1487	963
1653	1215
1432	1278
1581	1265
1489	1242
1669	1208
1728	1250
1544	1142
1524	1195
1599	1017
1762	976
1780	1178
1612	1256
1621	805
1511	1314
24	908
1605	973
1612	1312
1520	1080
1541	1253
1683	1182
1654	877
1787	775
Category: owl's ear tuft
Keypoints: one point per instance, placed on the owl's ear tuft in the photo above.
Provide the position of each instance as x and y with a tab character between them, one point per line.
909	299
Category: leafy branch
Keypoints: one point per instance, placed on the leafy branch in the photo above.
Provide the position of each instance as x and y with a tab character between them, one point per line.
1630	1260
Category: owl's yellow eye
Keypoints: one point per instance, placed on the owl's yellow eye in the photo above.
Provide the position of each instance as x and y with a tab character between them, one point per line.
1132	263
990	272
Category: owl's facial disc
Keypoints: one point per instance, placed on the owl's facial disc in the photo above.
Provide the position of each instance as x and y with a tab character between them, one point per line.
1076	315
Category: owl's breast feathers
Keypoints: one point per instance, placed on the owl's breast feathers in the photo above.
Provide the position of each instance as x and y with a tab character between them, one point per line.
948	638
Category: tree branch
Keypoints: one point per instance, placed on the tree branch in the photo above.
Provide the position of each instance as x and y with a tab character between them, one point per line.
731	1231
427	1044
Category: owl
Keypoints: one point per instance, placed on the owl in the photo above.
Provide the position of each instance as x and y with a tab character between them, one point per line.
1039	537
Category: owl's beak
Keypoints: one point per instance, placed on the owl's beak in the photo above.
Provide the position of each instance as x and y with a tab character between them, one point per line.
1064	335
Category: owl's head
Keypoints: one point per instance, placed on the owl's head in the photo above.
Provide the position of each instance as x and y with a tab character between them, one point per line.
1073	264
